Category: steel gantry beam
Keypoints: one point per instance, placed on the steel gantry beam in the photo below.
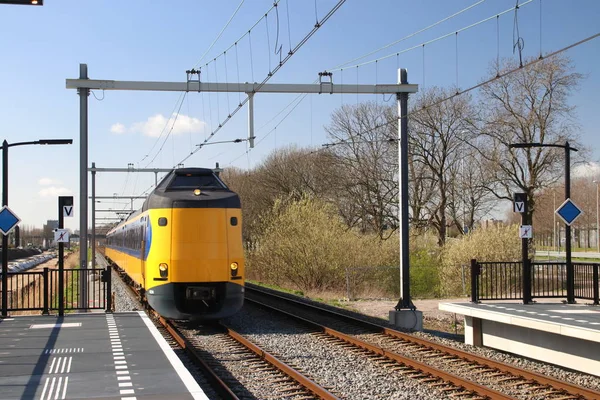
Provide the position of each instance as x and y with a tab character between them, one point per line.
221	87
401	89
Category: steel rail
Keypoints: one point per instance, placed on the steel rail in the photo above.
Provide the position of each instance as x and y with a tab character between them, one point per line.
499	365
414	364
217	383
309	384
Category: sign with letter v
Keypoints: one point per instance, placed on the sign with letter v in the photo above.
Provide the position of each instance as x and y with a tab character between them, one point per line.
68	211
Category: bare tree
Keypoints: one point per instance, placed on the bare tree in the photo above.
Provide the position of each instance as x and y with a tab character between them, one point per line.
366	153
288	173
527	106
438	131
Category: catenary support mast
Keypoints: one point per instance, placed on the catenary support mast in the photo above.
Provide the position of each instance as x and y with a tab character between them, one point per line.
401	89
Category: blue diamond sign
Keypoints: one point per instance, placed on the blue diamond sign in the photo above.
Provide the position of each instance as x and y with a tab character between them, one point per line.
8	220
568	212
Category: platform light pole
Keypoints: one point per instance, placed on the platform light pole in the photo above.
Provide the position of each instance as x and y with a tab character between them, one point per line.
23	2
597	216
5	146
568	149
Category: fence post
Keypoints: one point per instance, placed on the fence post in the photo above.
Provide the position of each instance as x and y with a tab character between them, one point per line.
596	284
45	289
527	281
464	284
108	289
475	272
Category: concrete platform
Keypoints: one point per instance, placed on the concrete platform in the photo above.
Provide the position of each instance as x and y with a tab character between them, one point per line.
93	355
563	334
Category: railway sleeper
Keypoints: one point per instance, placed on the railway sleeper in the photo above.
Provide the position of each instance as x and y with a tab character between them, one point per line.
463	392
539	387
524	382
496	374
292	389
439	384
479	366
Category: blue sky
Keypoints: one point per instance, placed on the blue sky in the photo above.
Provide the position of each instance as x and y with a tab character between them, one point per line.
159	40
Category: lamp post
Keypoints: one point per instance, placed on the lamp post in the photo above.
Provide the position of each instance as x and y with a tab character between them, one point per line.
5	146
24	2
597	218
568	148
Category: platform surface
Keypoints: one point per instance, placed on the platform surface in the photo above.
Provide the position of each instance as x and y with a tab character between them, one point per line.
90	356
581	321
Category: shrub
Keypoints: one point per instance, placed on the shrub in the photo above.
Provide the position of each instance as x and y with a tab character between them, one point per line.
304	243
495	243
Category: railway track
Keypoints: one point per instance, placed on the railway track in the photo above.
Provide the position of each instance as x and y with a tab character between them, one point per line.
256	368
240	368
433	363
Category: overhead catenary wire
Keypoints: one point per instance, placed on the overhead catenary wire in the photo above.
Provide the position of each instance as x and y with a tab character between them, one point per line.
180	99
486	82
341	67
436	39
170	131
274	6
409	36
270	75
220	34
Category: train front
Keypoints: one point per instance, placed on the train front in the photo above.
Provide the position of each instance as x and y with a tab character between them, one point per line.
195	261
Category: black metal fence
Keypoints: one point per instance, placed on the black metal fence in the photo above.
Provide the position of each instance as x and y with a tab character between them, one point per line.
510	281
38	290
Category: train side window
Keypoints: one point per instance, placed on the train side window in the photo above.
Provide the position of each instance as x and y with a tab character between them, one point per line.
162	221
233	221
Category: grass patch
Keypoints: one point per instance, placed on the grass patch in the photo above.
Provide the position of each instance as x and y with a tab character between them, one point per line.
276	287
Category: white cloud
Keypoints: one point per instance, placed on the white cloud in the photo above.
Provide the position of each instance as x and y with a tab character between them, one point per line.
155	124
48	181
118	128
587	170
54	191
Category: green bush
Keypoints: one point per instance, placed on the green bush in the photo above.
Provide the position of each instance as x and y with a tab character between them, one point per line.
495	243
424	274
306	246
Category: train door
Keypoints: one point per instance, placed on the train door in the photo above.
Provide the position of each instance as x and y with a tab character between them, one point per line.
143	255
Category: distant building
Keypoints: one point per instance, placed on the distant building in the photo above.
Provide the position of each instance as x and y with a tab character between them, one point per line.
49	228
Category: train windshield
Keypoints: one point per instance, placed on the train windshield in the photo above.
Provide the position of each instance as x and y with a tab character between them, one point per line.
191	181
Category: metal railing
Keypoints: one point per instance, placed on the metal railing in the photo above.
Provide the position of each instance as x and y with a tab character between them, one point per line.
38	291
510	281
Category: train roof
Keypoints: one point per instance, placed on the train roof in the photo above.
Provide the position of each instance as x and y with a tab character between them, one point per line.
176	189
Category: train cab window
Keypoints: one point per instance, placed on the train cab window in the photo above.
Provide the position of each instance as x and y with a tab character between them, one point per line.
191	181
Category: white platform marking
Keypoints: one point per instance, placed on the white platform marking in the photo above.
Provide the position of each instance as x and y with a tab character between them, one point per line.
58	325
189	382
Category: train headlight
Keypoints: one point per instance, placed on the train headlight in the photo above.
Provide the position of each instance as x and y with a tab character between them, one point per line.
234	268
163	270
197	192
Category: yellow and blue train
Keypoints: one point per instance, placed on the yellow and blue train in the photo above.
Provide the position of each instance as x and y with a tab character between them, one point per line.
183	248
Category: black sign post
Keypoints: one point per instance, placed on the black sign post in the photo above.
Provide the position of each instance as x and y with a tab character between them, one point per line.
62	202
520	206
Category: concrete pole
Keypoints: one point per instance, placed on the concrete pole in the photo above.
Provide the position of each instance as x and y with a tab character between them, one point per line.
93	216
83	183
